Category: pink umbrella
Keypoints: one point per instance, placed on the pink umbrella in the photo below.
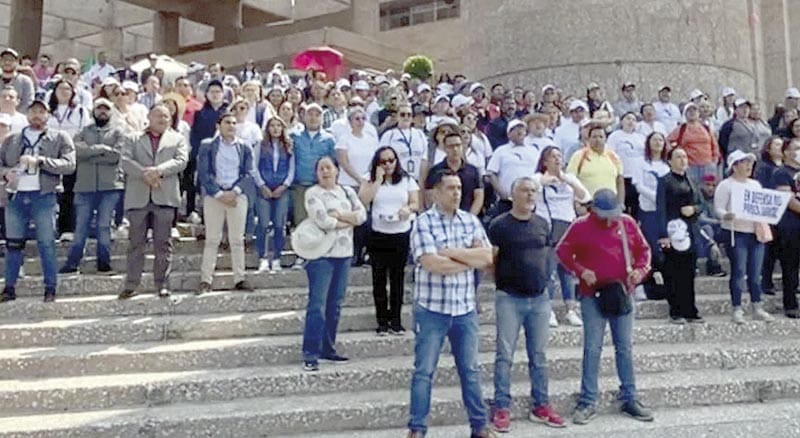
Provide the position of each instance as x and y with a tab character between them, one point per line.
320	58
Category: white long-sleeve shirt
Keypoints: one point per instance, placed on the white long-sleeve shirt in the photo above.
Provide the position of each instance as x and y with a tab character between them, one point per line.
722	204
645	179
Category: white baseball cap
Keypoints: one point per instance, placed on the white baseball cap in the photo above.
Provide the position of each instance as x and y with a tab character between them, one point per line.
695	94
460	100
514	124
341	83
423	87
737	156
361	85
793	93
576	104
728	91
475	86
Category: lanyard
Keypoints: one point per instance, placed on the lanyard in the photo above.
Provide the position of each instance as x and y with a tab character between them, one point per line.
410	165
26	144
63	117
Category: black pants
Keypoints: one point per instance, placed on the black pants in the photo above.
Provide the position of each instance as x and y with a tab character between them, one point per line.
66	213
771	254
188	185
679	273
789	255
388	254
631	198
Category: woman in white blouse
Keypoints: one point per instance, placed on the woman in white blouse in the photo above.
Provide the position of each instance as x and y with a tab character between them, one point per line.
560	192
629	147
394	196
645	179
66	115
334	209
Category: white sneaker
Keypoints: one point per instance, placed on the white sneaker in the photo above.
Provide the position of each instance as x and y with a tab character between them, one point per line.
276	266
67	237
759	314
263	266
194	218
553	319
175	234
573	319
21	271
638	293
121	232
298	263
738	315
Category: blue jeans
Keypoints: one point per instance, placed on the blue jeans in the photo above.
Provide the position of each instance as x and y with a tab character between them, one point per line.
747	256
327	283
533	314
649	225
594	327
22	208
564	277
85	204
430	329
274	211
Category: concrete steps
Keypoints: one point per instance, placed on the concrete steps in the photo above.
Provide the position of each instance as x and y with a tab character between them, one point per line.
380	409
150	388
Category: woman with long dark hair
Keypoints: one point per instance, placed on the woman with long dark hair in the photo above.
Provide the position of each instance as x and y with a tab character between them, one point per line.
394	197
645	179
770	160
274	164
66	115
560	192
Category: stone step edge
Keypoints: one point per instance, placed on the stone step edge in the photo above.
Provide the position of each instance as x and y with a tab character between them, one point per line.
389	409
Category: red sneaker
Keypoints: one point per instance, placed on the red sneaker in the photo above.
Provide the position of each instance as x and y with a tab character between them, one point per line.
501	420
546	415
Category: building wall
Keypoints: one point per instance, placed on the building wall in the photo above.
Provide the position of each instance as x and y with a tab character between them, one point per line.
442	41
686	44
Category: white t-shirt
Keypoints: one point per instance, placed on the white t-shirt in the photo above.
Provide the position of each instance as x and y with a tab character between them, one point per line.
645	179
360	151
70	119
411	146
249	132
646	129
668	114
557	200
28	182
510	162
389	199
342	126
629	147
18	122
567	137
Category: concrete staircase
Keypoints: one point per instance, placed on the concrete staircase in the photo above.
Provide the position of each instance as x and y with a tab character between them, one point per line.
227	364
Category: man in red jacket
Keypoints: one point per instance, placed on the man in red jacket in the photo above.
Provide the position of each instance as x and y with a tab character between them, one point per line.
608	253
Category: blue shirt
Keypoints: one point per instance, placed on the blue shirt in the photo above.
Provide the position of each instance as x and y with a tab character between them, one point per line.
307	151
451	294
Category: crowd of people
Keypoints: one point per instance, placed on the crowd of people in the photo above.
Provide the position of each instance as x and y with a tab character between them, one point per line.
544	191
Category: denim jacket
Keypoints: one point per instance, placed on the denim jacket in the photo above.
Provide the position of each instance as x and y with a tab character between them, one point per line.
265	174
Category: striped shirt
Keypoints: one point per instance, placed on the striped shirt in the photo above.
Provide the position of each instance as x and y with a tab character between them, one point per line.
451	294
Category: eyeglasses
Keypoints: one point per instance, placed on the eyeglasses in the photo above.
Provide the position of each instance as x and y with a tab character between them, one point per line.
387	161
404	114
359	118
465	132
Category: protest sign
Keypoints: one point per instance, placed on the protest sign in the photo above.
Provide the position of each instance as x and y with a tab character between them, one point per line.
759	205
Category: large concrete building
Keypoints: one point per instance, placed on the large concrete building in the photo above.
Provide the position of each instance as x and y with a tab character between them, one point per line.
706	44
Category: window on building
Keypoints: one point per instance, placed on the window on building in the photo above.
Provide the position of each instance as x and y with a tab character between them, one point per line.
403	13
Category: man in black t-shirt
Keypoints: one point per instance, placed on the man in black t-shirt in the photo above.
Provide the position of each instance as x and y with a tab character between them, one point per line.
471	182
522	245
787	232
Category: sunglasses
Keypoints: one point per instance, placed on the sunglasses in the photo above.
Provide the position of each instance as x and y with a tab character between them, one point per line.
404	114
388	161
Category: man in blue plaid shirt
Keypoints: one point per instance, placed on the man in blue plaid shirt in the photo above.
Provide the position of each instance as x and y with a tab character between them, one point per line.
448	246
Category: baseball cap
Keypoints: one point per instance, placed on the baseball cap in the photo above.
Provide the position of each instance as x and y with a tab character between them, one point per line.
460	100
696	93
606	205
342	83
131	86
102	101
548	87
312	105
423	88
10	51
381	79
578	104
664	87
728	91
737	156
110	81
361	85
40	102
592	86
793	93
514	124
628	84
475	86
740	101
439	98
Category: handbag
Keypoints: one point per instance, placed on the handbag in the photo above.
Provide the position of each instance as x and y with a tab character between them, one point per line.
613	299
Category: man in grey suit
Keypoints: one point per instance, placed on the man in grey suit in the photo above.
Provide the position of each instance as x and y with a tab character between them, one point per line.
152	163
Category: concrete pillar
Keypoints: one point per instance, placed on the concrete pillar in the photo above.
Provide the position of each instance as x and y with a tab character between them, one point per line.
365	17
228	26
777	49
166	33
757	52
25	26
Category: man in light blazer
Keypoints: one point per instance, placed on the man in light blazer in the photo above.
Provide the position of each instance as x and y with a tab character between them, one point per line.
152	163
